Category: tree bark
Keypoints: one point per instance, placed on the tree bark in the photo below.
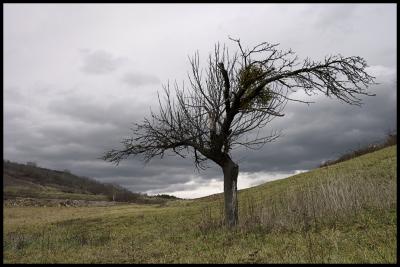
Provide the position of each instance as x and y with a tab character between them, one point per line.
231	171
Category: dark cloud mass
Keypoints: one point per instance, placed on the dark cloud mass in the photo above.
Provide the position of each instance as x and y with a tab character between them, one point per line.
100	62
136	79
65	116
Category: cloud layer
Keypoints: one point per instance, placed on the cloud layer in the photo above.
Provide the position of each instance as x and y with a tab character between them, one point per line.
100	62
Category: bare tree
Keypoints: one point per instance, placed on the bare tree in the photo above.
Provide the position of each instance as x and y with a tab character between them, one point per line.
237	94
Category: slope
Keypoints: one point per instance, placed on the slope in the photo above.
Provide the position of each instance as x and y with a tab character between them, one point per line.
27	181
344	213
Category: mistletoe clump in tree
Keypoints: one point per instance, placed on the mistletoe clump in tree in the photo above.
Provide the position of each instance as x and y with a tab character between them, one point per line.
239	94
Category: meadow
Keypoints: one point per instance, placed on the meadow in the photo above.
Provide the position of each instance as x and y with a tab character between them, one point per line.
342	213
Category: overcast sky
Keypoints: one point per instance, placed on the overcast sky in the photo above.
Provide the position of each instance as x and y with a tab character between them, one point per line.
77	76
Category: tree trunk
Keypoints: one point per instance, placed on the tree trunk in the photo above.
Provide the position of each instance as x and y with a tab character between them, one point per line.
231	171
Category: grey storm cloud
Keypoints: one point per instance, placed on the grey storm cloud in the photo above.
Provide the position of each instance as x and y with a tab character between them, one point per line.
65	110
86	110
327	18
100	62
137	79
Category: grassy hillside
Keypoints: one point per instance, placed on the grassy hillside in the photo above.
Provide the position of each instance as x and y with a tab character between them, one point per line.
15	188
27	181
344	213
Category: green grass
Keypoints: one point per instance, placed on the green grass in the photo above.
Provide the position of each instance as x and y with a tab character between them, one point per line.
47	192
344	213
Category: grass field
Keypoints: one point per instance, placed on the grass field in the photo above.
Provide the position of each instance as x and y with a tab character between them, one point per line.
344	213
48	192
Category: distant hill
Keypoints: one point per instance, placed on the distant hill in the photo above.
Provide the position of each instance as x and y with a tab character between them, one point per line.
28	180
